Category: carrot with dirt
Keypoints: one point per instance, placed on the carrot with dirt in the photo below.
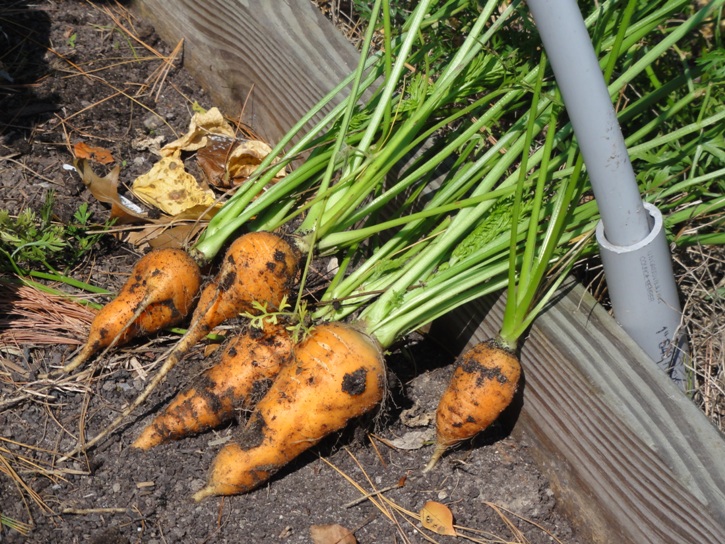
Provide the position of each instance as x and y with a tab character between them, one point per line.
248	364
337	374
484	382
160	293
258	271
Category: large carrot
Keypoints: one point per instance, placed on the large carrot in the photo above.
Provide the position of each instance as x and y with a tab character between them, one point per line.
337	374
159	294
258	267
483	384
248	364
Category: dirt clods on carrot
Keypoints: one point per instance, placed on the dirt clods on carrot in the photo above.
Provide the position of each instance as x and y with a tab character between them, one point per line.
248	364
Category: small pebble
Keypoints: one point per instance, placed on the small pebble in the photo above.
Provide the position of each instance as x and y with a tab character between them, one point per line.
152	121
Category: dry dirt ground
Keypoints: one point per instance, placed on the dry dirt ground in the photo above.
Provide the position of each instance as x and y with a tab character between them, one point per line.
78	71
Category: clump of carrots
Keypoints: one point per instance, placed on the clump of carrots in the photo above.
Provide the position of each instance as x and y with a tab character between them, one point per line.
452	245
258	271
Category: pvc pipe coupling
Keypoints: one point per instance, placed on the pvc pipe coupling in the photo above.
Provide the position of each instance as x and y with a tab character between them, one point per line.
644	296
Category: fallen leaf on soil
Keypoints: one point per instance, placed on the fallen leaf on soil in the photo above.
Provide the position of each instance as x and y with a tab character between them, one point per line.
212	159
82	150
438	518
171	189
413	418
331	534
414	440
200	127
105	189
172	232
167	233
227	162
246	157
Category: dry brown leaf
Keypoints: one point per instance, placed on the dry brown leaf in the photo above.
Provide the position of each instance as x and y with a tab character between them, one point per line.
82	150
105	189
331	534
147	143
200	127
172	232
438	518
414	440
212	159
228	162
171	189
164	236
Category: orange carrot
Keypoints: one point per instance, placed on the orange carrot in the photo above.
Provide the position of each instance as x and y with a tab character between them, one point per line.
337	374
248	364
483	384
159	294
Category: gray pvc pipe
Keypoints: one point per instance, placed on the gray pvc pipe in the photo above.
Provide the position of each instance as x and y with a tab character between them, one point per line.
592	115
639	279
636	258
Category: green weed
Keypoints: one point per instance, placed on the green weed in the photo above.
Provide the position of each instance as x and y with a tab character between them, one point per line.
33	240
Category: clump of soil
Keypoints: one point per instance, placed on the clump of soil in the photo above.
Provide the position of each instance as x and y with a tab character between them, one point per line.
77	71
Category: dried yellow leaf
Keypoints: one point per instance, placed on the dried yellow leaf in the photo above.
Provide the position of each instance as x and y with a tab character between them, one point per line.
170	188
200	127
438	518
245	158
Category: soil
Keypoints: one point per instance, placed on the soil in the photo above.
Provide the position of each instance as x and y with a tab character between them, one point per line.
70	74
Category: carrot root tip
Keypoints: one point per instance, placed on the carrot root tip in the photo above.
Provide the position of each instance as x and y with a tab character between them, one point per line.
437	454
85	354
204	493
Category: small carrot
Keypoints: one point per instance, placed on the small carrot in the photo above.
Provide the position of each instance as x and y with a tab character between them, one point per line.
159	294
337	374
247	366
258	267
483	384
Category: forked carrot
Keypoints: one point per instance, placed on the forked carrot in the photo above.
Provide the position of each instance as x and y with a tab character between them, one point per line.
160	293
